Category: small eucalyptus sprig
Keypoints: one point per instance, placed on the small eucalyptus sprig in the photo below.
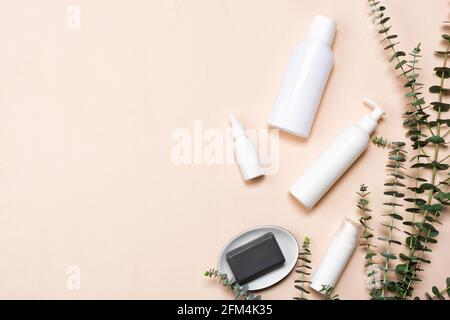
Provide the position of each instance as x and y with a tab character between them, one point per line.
366	240
303	268
381	142
241	292
327	291
438	294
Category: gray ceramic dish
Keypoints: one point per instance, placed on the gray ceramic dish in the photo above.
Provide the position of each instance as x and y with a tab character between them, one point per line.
288	245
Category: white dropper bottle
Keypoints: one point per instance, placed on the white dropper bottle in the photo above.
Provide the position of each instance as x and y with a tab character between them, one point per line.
245	151
336	159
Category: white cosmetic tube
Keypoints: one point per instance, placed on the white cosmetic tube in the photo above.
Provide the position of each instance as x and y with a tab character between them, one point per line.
336	256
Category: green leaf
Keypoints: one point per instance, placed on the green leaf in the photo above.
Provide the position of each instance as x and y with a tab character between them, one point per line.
392	45
439	90
440	106
400	269
389	255
416	201
370	255
397	158
384	20
363	202
396	216
436	165
397	54
427	186
396	242
436	292
392	204
384	30
394	194
442	72
301	289
400	64
390	37
391	184
418	102
448	286
404	257
436	139
428	228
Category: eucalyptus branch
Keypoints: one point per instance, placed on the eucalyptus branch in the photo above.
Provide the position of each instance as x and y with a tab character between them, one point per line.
303	268
397	157
381	142
366	240
427	232
240	292
416	120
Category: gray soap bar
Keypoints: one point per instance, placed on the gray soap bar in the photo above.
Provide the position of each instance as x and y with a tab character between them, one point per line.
255	258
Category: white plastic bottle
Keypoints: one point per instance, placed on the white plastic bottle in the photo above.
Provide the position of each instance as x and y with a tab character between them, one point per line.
305	79
336	257
336	159
245	151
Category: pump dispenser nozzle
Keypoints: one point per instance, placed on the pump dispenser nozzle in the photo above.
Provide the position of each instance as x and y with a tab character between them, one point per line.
369	123
378	112
349	144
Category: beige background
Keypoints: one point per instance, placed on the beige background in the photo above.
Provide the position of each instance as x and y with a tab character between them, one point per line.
85	124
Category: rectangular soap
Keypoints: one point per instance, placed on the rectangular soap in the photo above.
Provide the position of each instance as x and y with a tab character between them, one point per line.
255	258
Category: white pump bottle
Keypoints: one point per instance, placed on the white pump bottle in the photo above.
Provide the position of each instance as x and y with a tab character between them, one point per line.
336	159
336	257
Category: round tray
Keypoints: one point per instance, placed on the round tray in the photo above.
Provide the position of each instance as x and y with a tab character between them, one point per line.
288	245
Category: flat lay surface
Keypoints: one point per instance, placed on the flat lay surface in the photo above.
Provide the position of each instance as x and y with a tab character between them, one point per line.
89	109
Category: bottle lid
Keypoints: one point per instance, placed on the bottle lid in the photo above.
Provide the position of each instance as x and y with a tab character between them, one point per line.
323	29
349	231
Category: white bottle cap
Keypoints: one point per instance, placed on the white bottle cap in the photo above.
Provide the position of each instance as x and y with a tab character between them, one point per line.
349	231
322	28
369	123
246	153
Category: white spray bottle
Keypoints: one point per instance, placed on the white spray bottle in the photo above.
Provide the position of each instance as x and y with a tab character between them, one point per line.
336	159
245	151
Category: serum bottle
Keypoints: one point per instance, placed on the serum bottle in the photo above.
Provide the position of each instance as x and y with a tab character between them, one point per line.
305	79
336	257
336	159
